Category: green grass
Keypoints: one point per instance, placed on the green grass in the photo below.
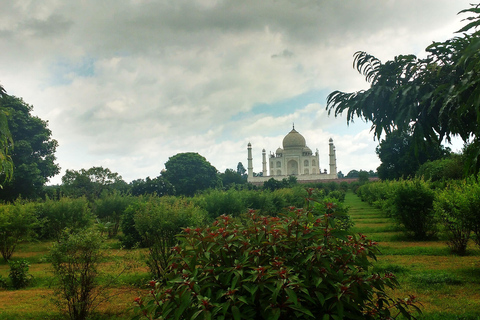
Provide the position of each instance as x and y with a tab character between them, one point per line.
447	286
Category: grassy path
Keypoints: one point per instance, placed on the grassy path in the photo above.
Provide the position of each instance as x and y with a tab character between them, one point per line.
448	286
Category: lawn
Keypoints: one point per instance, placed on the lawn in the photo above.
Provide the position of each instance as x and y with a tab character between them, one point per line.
447	286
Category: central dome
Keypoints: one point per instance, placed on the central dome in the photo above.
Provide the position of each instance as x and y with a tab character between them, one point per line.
294	140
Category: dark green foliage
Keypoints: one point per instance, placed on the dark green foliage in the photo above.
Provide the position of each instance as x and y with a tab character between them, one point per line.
33	153
190	172
92	183
272	184
363	177
296	266
432	98
17	223
6	142
109	209
451	168
413	208
401	158
230	178
131	238
75	260
19	276
156	186
158	221
63	213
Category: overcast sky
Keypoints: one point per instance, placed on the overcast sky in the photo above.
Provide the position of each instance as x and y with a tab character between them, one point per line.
128	84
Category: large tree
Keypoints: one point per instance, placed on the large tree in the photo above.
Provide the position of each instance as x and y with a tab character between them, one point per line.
92	182
158	186
398	156
6	142
434	98
190	172
33	154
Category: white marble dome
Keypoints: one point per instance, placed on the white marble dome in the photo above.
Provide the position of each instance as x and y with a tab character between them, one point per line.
294	140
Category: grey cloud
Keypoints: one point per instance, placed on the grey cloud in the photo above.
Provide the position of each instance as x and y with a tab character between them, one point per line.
50	27
284	54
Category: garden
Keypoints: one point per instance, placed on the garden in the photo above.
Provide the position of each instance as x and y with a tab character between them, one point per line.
308	252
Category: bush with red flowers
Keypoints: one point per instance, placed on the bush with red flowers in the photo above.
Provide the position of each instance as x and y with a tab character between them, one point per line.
299	265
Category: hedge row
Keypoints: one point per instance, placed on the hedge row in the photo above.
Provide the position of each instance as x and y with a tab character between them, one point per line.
423	208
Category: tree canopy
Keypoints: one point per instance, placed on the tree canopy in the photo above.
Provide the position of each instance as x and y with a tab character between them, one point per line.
398	157
92	182
190	172
159	186
6	142
33	156
434	98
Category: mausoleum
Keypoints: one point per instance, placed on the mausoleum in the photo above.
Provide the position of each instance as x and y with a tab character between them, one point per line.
293	158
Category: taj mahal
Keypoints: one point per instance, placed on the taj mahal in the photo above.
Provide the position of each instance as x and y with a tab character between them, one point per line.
295	158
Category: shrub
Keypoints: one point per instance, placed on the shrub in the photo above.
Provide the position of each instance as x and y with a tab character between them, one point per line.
158	220
19	275
413	208
131	238
75	260
457	208
442	169
65	213
109	209
299	265
17	223
217	202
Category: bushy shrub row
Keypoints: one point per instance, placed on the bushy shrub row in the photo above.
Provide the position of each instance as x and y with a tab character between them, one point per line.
113	212
420	207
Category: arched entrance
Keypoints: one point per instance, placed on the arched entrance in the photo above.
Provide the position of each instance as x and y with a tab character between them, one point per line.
292	167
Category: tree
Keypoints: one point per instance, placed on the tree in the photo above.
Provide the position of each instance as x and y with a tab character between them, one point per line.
92	182
6	142
231	177
352	174
33	156
190	172
398	157
158	186
434	98
363	177
241	170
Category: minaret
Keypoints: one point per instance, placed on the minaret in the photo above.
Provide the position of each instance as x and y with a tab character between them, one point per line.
264	163
250	161
333	160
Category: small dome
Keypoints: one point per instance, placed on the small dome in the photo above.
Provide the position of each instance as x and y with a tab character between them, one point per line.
279	150
307	150
294	140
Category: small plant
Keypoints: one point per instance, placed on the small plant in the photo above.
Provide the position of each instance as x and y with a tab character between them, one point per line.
299	265
19	276
17	223
75	259
3	282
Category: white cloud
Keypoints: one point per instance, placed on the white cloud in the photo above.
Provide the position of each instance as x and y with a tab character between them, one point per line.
127	84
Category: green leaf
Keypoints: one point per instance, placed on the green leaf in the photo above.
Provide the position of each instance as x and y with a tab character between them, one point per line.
292	296
236	313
